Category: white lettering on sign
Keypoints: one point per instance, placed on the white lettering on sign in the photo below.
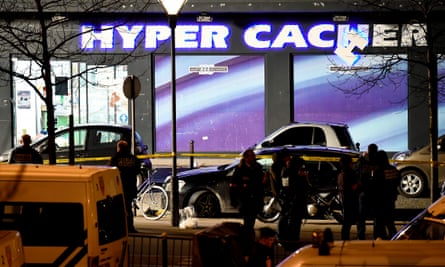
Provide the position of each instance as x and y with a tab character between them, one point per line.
344	39
187	36
129	35
91	36
354	39
413	35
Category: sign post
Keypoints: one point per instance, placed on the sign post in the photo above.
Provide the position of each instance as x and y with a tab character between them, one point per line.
132	89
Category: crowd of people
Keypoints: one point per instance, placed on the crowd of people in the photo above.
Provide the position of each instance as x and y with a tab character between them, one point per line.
367	189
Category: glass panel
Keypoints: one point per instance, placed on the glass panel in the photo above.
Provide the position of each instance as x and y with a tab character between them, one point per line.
220	109
320	95
111	216
45	224
106	101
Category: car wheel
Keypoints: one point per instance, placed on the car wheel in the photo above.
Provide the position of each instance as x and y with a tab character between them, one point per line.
271	209
412	183
206	205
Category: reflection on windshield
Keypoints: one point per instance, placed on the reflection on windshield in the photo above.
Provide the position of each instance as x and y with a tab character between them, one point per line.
423	227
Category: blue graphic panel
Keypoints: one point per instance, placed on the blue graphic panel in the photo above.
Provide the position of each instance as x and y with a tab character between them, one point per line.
219	102
376	113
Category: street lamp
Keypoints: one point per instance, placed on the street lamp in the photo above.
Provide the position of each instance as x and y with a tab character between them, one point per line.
172	8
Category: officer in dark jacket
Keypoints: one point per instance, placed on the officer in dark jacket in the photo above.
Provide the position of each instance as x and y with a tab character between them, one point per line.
294	193
249	180
25	153
129	166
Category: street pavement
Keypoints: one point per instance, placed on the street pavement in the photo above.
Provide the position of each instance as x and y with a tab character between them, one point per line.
165	226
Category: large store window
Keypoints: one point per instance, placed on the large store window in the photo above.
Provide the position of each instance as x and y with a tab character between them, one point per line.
91	93
220	102
377	115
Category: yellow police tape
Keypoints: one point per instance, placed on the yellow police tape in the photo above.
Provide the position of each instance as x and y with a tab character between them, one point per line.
229	156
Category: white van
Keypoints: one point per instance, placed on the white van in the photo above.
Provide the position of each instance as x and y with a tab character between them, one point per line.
379	253
421	242
11	249
67	215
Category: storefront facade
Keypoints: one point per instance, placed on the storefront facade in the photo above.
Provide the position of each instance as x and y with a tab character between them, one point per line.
239	77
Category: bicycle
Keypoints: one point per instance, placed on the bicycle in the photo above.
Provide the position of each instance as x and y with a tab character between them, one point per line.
151	199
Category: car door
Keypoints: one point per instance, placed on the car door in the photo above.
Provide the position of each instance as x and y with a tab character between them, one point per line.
101	144
63	147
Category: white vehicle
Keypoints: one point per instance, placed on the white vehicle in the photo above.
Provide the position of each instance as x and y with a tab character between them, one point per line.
421	242
428	225
310	133
11	249
375	253
67	215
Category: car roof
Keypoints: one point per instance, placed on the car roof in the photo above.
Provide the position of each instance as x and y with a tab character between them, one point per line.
96	125
306	149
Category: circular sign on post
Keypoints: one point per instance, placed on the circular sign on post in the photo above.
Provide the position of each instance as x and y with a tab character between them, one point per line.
132	87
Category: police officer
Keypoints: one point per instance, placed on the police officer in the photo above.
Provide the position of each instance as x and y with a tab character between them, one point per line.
25	153
129	166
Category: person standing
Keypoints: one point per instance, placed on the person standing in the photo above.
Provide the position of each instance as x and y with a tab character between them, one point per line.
294	194
390	192
348	189
248	181
25	153
129	166
279	162
370	201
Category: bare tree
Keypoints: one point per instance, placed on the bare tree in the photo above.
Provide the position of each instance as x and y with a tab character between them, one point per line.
426	17
42	31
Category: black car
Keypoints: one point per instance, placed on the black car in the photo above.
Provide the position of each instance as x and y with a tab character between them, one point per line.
94	144
207	188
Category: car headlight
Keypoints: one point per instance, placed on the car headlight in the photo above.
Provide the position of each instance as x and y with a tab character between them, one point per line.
168	185
401	155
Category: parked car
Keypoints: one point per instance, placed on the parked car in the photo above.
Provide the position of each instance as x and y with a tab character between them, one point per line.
415	169
421	242
93	144
310	133
207	188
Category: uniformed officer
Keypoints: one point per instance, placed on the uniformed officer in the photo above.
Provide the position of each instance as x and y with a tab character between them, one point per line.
129	166
25	153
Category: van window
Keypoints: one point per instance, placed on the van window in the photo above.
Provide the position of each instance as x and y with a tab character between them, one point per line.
111	219
45	224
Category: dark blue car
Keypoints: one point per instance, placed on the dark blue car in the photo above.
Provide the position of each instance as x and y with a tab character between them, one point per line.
207	188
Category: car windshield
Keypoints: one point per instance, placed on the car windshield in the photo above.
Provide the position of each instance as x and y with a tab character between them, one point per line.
427	228
229	166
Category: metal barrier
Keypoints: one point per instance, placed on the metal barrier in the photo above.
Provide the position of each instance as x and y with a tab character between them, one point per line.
150	250
160	250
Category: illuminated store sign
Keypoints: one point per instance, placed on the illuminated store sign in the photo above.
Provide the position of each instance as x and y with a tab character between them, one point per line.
345	40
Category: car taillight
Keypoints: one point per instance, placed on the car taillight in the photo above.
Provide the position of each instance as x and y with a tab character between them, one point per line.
93	261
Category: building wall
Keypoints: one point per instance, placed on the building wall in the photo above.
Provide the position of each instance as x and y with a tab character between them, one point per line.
278	73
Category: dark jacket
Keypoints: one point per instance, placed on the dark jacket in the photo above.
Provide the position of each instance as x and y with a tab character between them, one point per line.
129	167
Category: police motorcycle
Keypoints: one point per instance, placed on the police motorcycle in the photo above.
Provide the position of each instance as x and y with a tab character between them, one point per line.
322	203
